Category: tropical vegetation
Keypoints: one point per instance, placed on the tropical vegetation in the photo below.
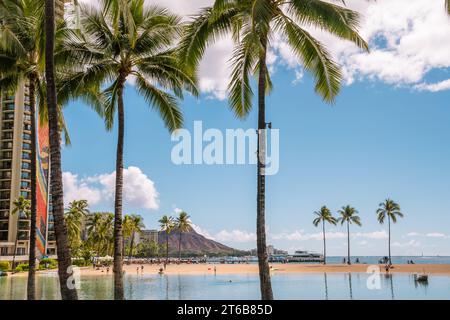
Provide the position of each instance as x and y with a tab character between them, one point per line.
391	210
348	216
321	217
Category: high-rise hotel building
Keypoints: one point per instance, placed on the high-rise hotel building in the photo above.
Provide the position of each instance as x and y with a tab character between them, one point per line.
15	173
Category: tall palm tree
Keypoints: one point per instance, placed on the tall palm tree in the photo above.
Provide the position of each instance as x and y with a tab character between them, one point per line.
349	215
391	210
62	246
322	216
182	224
252	24
166	224
22	209
121	41
137	225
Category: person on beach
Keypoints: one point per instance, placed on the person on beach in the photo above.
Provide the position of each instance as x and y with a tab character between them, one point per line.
142	269
215	270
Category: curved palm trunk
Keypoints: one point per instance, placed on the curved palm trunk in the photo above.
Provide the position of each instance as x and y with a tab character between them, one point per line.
68	291
324	244
31	285
389	241
348	243
264	271
118	258
179	247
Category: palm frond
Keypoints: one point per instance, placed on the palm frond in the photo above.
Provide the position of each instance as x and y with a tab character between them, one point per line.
337	20
163	102
316	59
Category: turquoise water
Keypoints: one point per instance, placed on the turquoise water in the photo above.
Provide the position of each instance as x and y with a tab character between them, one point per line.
285	286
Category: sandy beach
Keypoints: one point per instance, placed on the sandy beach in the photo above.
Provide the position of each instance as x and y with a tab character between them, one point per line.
205	269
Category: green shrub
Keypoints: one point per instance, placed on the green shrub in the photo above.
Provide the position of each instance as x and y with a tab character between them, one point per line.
80	262
22	267
48	263
4	266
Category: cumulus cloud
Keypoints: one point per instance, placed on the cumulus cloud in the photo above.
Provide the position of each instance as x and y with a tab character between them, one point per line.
138	189
408	39
428	235
202	232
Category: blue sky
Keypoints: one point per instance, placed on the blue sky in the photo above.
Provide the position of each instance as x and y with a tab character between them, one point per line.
386	136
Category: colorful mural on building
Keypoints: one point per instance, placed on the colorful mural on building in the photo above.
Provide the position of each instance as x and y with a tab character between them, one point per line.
42	189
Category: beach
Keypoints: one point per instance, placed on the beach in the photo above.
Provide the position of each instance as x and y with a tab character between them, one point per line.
223	269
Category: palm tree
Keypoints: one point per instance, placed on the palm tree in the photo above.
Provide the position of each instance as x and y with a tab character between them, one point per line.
252	24
391	210
166	224
137	224
349	215
322	216
75	219
126	231
22	208
182	224
62	246
125	40
447	6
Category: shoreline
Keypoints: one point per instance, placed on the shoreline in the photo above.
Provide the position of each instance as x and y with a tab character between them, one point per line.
226	269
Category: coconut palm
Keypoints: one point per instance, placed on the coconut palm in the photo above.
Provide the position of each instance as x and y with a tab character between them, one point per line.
22	209
349	215
137	225
166	224
126	40
126	231
322	216
75	217
252	24
62	246
391	210
182	224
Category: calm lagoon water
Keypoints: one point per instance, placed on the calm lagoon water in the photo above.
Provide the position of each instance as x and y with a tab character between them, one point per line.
291	286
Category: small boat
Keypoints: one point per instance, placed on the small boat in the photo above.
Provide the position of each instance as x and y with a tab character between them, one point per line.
420	277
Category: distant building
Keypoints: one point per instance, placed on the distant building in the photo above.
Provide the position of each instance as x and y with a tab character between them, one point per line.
271	250
147	236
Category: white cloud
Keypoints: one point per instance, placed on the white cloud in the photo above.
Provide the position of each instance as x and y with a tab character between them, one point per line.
408	38
202	232
428	235
411	243
434	87
138	190
235	236
76	189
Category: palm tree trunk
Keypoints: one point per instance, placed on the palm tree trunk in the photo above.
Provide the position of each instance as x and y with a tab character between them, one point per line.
264	271
167	249
324	244
68	292
389	241
130	252
15	244
348	243
31	285
118	258
179	247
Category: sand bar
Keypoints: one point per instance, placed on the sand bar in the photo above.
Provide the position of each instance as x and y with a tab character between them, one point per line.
204	269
